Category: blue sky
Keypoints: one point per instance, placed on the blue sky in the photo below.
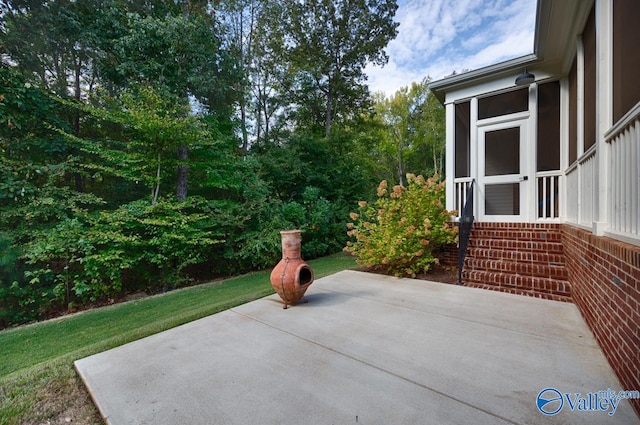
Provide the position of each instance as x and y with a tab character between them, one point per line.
437	37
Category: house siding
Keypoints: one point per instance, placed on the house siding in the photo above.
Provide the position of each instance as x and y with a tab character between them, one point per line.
605	285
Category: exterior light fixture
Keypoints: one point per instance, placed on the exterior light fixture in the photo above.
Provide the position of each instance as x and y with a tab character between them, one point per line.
525	78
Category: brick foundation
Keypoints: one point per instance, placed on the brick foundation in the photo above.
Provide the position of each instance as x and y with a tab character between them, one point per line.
448	255
605	285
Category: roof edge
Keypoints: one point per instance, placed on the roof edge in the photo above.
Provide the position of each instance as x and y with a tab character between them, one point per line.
440	87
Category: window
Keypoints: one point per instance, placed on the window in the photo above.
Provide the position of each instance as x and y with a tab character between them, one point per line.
626	56
462	140
503	104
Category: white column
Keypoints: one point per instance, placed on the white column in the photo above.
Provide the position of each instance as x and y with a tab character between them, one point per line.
579	122
531	159
449	170
475	156
604	111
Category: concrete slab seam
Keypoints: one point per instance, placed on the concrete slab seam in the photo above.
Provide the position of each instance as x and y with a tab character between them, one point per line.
559	340
376	367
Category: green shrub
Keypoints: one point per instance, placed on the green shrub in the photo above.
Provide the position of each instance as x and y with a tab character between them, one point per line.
260	246
400	231
20	301
139	246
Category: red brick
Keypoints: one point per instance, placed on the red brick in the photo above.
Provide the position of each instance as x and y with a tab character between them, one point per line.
611	310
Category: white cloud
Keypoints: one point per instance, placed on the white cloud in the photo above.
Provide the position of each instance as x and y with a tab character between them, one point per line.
512	46
437	37
390	78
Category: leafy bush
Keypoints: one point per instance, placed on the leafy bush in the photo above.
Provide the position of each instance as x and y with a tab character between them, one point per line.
400	231
138	246
260	247
19	301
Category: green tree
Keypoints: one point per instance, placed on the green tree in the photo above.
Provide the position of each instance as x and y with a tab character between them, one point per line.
50	41
241	18
181	56
329	42
255	35
429	127
37	163
152	128
413	140
70	47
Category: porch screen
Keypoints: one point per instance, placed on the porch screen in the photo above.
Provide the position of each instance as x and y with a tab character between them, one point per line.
548	146
626	56
502	199
589	42
502	158
503	104
573	112
462	139
502	152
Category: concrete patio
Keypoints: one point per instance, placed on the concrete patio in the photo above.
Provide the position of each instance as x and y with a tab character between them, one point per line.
365	349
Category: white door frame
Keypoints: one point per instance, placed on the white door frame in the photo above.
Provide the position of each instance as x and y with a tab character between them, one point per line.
523	177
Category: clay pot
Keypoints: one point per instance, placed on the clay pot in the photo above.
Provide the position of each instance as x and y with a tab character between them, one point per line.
291	276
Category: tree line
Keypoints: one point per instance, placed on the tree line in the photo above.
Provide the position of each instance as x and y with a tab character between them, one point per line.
146	145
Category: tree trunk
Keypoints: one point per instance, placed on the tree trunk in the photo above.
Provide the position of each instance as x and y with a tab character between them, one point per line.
243	125
78	180
267	119
327	124
400	166
258	116
156	191
183	173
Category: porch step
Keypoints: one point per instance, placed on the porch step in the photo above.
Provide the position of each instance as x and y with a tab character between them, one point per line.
522	268
551	227
526	259
531	235
551	289
520	245
522	256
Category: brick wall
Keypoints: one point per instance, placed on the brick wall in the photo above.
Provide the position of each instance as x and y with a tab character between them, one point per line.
605	285
448	255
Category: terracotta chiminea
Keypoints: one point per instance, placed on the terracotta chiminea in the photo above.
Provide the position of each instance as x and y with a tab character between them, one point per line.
291	276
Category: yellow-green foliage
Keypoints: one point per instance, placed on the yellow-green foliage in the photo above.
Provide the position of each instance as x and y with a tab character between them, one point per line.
405	225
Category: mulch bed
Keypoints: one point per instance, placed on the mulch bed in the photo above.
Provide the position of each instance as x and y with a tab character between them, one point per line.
438	273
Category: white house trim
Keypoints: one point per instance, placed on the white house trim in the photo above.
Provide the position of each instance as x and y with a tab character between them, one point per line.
449	159
604	103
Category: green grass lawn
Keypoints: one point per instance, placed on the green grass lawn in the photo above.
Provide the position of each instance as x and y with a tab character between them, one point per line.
37	359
